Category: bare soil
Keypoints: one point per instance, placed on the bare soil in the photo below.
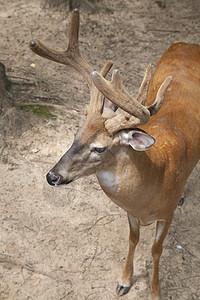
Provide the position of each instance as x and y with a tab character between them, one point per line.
71	242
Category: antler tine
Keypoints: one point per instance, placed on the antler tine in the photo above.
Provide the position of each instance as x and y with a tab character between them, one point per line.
142	94
106	68
96	100
74	30
71	56
154	108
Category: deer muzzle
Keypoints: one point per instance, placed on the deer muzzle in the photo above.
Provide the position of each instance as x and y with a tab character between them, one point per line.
67	168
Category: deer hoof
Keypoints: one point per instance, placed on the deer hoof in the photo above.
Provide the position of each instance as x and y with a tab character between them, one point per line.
181	201
122	290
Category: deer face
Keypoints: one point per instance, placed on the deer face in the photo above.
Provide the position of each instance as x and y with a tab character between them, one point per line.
94	149
86	155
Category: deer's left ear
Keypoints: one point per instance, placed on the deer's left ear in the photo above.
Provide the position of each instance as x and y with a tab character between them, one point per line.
138	139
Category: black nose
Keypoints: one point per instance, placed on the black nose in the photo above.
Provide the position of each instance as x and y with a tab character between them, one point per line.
53	179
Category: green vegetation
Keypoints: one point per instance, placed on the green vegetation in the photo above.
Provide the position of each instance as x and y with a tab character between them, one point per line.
42	111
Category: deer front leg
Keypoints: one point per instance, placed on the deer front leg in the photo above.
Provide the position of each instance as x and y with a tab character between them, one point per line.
161	231
126	281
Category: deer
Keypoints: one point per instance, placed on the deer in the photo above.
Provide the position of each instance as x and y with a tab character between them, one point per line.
143	149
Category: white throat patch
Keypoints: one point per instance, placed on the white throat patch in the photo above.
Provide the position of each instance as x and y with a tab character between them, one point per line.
108	180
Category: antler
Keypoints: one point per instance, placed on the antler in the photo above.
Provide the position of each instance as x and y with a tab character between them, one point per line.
142	94
135	113
73	59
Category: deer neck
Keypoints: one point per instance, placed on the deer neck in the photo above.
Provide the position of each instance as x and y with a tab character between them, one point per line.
124	180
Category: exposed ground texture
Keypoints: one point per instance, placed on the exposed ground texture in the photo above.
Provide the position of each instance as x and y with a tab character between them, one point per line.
71	242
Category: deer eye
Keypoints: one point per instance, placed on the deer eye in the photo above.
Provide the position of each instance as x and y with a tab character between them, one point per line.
99	150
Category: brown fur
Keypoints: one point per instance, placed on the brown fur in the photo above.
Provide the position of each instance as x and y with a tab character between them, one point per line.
151	183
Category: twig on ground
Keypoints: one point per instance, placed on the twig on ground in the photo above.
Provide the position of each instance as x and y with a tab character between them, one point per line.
181	244
6	259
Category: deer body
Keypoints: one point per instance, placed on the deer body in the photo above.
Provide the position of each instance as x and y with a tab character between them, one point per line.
163	169
145	179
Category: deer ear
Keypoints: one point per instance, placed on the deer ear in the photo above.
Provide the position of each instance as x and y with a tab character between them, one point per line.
139	140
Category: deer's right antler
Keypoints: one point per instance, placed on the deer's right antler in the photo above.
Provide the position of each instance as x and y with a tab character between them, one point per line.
72	58
134	113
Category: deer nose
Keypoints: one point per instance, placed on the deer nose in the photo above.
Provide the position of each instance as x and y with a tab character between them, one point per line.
53	179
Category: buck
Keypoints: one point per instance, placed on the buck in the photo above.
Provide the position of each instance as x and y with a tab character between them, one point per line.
142	155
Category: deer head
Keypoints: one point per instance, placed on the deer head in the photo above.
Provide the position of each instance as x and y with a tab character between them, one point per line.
104	130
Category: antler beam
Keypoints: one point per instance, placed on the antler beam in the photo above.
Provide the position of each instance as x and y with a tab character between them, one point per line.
116	93
135	113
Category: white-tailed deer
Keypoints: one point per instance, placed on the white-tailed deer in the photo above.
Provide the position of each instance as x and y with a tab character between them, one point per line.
146	184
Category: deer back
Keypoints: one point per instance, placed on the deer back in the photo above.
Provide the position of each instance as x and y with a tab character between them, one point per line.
179	118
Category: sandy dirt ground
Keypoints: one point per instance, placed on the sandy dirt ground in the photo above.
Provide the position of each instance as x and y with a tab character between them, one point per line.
71	242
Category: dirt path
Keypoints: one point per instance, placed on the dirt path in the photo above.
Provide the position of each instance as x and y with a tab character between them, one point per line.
71	242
